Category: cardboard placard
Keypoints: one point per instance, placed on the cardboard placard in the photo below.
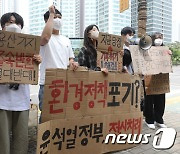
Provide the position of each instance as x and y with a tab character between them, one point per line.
153	61
157	84
71	94
111	61
16	58
124	5
87	135
109	52
109	43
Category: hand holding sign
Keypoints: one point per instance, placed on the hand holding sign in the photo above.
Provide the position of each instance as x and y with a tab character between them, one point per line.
37	59
104	70
74	65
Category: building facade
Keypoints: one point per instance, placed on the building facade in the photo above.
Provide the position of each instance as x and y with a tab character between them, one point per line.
159	17
78	14
16	6
109	17
104	13
86	15
68	10
7	6
37	8
176	31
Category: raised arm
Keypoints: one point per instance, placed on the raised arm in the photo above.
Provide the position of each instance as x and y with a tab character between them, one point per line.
47	31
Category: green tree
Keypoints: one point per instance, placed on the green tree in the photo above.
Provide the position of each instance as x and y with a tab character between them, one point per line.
175	48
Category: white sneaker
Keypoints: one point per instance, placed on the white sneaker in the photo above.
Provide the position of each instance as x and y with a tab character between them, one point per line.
151	126
160	125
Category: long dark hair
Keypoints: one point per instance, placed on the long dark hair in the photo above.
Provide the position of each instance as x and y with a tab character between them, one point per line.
155	36
88	43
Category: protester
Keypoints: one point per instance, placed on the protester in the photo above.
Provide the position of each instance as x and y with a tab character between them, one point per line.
55	49
14	101
155	104
88	55
127	33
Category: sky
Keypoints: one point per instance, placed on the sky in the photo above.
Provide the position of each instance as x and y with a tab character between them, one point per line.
175	20
176	10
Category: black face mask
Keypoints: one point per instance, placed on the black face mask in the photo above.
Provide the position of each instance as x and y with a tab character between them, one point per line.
14	86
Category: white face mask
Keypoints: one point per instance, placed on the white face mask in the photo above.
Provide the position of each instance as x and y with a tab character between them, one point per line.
57	23
129	37
13	28
94	34
158	42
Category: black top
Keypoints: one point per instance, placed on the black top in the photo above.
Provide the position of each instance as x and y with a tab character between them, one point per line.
87	59
127	58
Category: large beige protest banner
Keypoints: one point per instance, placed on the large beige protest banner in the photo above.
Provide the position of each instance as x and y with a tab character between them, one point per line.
153	61
109	51
87	134
16	58
71	94
157	84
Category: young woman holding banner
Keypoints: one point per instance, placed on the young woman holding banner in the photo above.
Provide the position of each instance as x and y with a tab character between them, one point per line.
88	55
155	104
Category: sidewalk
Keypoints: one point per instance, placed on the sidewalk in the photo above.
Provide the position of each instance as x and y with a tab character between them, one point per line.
172	120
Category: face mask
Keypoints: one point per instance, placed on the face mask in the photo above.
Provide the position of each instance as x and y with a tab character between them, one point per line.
158	42
13	28
94	34
129	37
57	23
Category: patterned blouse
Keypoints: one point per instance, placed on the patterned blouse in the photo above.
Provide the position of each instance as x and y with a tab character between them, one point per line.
87	59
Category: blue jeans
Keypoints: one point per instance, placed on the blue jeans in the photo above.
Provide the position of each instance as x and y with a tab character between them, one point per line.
41	95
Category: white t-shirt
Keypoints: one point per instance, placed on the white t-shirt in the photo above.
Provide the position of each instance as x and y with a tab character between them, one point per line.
55	54
14	100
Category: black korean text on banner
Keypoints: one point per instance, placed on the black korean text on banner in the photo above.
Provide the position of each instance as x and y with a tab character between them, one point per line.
109	51
83	134
109	43
157	84
110	60
16	58
92	91
150	62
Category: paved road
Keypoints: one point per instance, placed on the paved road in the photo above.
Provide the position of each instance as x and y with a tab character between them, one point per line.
171	117
175	82
173	98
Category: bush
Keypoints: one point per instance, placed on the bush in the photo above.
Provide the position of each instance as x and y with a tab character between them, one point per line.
175	48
